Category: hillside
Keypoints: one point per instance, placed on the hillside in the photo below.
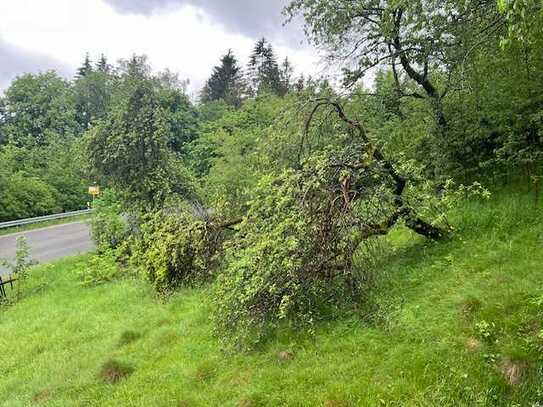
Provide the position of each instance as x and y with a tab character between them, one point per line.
453	323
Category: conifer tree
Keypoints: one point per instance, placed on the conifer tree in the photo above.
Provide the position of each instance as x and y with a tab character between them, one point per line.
225	83
102	65
285	75
85	68
264	71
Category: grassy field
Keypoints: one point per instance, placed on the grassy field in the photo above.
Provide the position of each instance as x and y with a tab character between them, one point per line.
455	323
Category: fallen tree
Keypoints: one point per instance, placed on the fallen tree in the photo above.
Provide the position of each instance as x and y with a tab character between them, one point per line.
291	260
356	168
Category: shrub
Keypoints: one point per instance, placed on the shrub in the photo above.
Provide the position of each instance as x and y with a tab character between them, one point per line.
176	248
23	196
100	269
109	228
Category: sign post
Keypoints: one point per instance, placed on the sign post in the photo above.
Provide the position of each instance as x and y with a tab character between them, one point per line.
94	191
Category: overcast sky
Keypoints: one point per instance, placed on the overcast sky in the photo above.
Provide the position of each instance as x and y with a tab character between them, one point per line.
187	36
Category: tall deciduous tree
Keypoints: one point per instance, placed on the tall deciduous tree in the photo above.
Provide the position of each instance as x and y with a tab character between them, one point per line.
92	95
524	19
422	39
36	107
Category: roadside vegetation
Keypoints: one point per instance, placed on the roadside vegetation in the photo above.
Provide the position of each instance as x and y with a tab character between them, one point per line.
288	241
452	323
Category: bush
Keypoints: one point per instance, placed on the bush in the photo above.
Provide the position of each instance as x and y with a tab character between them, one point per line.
291	261
100	269
176	248
22	197
109	228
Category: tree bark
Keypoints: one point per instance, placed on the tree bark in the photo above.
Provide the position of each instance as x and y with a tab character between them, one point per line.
412	220
420	78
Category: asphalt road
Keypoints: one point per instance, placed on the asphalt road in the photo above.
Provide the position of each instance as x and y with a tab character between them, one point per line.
50	243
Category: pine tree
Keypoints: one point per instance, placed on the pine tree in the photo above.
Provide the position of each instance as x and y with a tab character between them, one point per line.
285	74
85	68
102	65
264	71
225	83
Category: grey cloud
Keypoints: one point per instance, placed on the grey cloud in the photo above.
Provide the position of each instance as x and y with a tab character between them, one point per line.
15	61
252	18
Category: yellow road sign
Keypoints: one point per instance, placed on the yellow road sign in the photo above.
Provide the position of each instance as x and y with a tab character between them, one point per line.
94	191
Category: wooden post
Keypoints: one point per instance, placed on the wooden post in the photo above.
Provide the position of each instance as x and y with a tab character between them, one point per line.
2	289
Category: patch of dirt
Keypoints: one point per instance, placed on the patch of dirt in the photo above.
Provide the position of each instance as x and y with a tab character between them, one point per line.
285	355
471	305
204	372
113	371
513	371
41	397
473	344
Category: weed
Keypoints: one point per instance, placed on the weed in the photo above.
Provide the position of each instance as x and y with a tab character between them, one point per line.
128	337
486	330
471	305
205	372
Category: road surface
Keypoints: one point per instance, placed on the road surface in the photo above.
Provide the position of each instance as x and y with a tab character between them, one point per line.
50	243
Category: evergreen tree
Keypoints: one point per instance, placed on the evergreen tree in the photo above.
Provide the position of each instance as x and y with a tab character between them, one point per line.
285	75
102	65
85	68
264	70
225	83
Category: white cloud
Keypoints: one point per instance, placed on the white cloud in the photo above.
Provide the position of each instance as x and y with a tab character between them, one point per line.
184	39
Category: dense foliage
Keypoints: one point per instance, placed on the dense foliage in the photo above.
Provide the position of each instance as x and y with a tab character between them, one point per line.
269	185
177	248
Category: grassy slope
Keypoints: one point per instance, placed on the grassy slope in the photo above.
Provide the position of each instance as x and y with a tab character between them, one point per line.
423	343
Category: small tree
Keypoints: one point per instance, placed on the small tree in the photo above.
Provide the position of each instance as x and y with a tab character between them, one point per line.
285	73
129	148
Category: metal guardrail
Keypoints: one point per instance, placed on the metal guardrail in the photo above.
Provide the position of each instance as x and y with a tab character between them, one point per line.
28	221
